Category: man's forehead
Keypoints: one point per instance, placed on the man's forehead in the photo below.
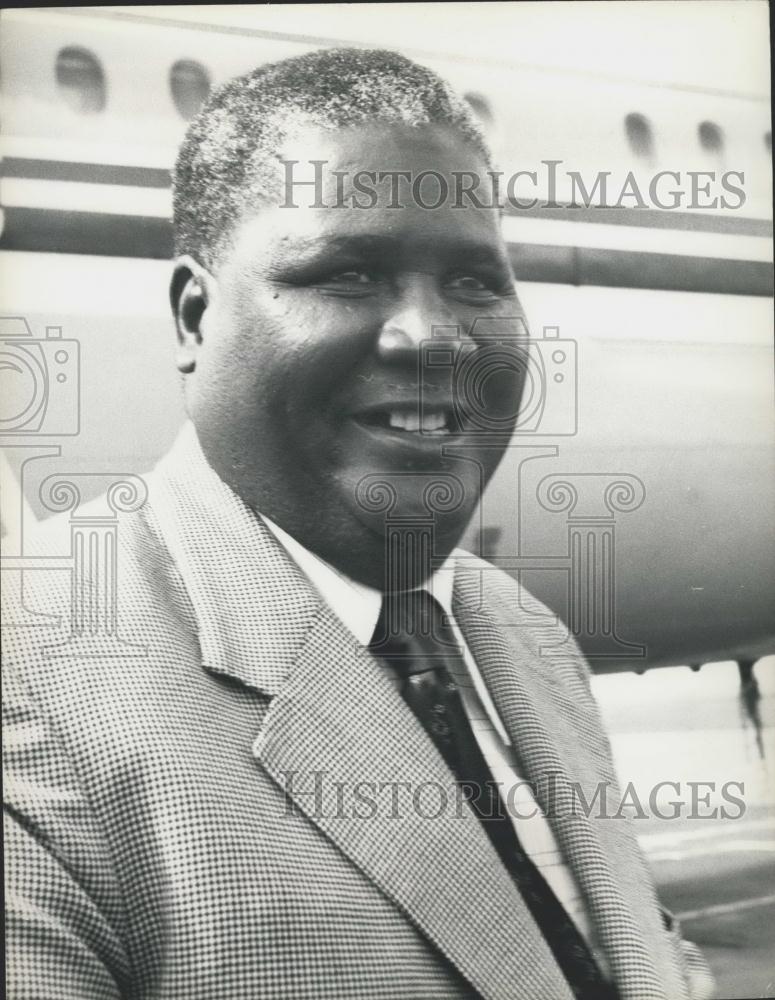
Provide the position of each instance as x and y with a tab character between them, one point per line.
384	246
304	231
377	164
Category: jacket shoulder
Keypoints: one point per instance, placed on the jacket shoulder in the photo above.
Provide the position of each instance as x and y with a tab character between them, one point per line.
92	576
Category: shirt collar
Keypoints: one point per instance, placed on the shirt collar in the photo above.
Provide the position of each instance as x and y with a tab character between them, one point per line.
355	604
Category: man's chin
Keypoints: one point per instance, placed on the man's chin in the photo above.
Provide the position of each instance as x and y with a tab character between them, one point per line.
400	550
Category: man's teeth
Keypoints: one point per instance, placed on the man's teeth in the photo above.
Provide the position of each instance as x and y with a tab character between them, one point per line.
429	423
406	421
434	422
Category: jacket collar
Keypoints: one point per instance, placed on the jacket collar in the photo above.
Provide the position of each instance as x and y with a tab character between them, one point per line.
252	603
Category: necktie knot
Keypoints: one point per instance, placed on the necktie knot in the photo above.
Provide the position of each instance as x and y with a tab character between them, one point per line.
412	634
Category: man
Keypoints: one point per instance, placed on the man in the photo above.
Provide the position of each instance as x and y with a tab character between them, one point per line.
261	798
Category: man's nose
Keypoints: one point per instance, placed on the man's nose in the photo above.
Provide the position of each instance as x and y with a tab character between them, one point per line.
417	310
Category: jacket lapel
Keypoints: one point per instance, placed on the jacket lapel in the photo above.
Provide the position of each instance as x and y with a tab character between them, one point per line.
252	605
545	722
339	722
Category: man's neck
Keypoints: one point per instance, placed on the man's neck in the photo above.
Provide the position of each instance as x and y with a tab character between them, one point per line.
355	603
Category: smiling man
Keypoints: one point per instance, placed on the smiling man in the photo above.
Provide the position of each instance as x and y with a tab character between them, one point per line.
302	319
336	760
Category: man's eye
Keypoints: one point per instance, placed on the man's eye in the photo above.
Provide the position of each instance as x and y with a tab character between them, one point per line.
468	283
476	287
354	282
352	278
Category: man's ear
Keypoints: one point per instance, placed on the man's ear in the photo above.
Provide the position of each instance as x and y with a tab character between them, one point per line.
190	292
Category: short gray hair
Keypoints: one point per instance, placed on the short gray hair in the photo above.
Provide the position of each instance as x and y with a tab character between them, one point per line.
228	158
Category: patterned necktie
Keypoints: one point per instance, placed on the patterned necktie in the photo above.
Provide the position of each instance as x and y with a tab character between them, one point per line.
413	637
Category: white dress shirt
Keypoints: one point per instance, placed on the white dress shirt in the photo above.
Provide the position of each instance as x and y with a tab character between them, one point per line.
358	607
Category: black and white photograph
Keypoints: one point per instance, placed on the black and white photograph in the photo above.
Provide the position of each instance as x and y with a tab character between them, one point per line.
387	466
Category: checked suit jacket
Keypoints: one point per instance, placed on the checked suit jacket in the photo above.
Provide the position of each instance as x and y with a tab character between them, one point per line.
176	825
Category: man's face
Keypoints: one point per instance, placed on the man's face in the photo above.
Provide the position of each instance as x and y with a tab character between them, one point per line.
313	380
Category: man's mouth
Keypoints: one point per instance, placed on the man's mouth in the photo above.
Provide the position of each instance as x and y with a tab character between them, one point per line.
431	422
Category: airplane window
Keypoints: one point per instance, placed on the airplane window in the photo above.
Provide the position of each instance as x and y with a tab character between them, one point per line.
711	137
480	107
81	80
639	134
189	85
